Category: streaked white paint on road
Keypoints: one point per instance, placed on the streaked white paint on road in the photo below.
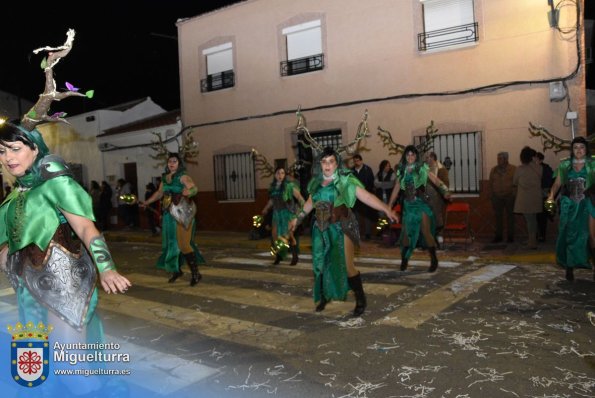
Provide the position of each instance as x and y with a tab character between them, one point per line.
413	314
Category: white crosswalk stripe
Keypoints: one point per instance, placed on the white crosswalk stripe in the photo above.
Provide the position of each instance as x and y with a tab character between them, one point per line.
358	260
279	290
414	314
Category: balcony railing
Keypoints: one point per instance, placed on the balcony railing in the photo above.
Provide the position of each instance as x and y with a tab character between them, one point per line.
447	37
218	81
302	65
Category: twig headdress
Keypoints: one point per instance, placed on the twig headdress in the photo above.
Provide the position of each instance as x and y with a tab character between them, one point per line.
552	141
266	169
395	148
306	139
187	149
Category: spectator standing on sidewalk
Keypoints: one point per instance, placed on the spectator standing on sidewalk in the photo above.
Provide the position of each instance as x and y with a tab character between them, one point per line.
124	188
105	206
435	198
547	180
152	211
365	215
527	183
384	181
502	197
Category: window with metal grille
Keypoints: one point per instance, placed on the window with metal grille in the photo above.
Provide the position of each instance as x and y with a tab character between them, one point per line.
219	63
447	23
304	48
461	155
234	176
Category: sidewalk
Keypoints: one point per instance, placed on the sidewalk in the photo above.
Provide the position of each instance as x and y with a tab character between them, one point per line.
492	253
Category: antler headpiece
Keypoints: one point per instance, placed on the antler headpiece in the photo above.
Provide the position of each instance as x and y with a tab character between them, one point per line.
551	141
188	149
396	148
310	142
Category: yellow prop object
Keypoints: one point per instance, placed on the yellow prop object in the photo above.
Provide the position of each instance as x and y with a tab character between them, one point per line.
550	207
280	247
257	221
129	199
382	224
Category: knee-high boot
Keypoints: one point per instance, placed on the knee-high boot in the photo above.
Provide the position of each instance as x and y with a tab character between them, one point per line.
433	259
196	276
294	253
322	302
404	259
355	282
175	275
593	261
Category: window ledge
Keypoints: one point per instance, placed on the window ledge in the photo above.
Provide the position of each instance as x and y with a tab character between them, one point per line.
449	48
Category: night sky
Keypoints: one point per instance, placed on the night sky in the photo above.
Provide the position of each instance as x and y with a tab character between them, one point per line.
119	50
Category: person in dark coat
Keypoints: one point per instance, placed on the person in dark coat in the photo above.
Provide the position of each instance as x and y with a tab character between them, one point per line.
152	210
105	206
365	215
547	180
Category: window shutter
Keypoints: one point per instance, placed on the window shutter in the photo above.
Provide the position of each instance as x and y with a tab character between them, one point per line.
440	14
219	58
303	40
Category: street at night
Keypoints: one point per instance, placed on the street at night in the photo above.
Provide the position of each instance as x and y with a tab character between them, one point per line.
487	324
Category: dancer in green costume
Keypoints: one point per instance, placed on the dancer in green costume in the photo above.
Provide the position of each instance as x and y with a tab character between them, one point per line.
412	177
576	232
53	275
282	193
177	242
332	194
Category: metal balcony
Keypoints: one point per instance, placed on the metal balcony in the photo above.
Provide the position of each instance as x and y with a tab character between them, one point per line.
218	81
447	37
302	65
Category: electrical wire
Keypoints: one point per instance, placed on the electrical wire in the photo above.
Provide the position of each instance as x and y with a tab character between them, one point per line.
475	90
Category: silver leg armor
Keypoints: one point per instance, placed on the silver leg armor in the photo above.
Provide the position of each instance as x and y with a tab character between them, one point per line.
183	212
64	283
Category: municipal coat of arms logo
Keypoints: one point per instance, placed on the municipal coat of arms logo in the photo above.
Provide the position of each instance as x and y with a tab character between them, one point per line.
30	353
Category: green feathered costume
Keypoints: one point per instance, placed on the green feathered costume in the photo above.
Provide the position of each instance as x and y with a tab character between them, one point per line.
171	258
328	246
31	216
572	245
282	197
413	210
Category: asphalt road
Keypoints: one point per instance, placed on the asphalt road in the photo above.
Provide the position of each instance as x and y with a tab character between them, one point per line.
475	328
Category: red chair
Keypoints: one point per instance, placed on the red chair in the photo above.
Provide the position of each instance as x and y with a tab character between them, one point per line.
456	222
